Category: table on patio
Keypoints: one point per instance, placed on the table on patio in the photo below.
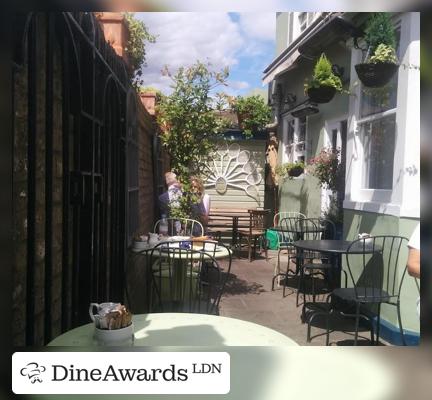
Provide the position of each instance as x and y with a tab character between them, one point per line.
176	253
334	249
184	329
228	218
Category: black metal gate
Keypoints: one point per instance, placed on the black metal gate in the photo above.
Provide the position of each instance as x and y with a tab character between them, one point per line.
81	73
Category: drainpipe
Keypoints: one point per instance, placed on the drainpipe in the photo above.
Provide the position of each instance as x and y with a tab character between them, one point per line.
272	127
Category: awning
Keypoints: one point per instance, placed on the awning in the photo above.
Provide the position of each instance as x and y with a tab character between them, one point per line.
335	29
323	33
283	66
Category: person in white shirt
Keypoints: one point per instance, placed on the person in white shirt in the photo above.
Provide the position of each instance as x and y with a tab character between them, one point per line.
413	263
171	197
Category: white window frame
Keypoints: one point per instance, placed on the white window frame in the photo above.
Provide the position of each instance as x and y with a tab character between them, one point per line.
389	202
290	152
295	27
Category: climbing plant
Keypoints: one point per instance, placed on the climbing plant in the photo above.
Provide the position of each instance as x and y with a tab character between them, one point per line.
190	123
136	46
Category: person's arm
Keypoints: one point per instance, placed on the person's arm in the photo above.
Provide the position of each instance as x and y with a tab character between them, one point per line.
413	263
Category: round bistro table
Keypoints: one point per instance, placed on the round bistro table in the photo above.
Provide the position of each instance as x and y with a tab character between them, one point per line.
335	249
184	329
137	255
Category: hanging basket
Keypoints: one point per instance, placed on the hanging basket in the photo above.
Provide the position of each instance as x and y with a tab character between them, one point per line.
322	94
295	171
376	75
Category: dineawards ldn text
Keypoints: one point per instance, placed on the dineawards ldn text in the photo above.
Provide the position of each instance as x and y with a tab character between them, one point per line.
113	374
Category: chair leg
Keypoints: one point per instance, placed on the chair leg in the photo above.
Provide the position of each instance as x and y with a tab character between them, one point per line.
250	248
330	311
299	287
276	273
378	324
400	323
313	287
357	321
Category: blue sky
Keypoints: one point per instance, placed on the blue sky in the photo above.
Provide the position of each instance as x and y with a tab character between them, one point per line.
245	42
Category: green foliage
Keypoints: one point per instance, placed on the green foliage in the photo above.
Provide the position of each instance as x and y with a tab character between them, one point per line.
189	123
284	170
323	75
326	167
379	30
384	53
135	48
253	112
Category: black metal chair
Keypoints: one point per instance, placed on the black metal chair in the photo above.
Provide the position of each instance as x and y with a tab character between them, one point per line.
187	279
375	268
308	229
286	236
325	230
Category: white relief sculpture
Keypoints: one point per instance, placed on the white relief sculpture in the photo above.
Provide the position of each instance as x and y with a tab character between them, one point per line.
231	167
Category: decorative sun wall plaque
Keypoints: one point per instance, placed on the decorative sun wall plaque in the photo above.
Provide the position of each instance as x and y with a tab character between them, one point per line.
231	167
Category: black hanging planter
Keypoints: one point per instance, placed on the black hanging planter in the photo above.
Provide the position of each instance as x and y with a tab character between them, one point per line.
376	75
295	171
322	94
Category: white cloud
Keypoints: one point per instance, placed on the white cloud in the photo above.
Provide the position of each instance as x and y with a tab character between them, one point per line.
184	38
260	26
239	85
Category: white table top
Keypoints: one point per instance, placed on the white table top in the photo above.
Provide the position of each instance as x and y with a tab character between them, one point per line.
183	329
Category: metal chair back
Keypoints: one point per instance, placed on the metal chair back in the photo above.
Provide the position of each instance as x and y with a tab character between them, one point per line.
182	226
288	233
309	229
375	265
185	279
278	217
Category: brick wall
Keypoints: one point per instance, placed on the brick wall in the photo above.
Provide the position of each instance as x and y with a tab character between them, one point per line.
146	130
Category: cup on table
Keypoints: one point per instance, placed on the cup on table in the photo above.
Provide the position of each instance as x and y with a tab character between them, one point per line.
103	309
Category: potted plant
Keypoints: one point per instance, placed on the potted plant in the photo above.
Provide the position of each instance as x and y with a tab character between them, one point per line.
381	61
324	83
252	113
326	168
290	170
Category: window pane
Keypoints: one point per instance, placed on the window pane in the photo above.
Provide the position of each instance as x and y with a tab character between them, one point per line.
378	150
290	136
302	130
381	99
302	17
302	21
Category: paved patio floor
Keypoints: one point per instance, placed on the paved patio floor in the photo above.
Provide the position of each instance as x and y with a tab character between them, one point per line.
248	296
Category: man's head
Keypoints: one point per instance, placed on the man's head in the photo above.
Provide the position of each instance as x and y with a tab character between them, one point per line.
170	178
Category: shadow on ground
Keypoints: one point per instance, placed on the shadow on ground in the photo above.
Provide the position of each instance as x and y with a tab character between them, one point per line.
235	285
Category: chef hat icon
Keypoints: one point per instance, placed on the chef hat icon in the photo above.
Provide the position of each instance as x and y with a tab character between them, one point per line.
33	371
